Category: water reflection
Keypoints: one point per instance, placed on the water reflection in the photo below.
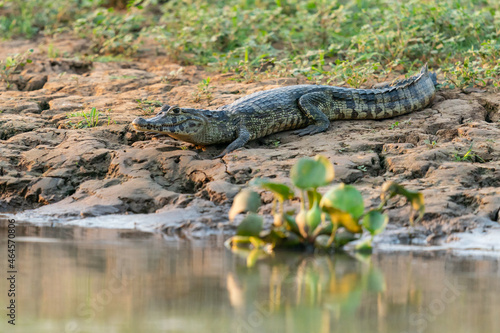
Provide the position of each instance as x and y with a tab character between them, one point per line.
307	292
96	280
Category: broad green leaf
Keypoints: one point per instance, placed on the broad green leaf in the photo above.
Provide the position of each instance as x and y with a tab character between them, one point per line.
308	173
345	219
345	198
390	189
250	226
245	201
330	172
375	222
281	191
417	203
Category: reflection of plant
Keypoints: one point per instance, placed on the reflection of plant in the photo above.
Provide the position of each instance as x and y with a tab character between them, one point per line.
329	220
314	283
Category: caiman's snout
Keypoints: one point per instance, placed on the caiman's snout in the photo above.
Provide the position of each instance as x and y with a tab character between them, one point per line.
176	123
139	121
139	124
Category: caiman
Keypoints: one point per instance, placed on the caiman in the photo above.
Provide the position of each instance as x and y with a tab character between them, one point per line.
306	107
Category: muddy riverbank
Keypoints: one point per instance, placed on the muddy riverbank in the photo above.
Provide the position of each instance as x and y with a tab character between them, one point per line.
53	171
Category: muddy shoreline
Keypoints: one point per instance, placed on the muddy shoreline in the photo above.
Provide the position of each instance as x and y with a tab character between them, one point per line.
53	172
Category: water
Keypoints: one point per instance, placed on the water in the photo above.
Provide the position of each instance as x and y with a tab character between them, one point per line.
98	280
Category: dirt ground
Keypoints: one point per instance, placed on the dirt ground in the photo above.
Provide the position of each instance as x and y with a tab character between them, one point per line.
56	171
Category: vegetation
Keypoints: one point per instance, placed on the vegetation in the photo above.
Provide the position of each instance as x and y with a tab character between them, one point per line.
12	64
148	107
469	156
326	221
90	119
430	144
204	91
344	41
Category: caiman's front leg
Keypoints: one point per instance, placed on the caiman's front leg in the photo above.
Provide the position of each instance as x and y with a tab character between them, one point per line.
241	140
311	105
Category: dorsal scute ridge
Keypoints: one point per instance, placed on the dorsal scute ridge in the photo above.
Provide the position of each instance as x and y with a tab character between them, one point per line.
404	83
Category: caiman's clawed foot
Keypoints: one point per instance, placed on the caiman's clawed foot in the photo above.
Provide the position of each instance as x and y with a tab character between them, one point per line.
221	155
310	130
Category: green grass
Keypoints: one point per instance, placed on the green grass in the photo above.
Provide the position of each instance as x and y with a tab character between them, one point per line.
469	156
12	64
90	119
204	91
148	107
346	41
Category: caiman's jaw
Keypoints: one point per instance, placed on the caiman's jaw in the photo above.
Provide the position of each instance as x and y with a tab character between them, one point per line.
183	124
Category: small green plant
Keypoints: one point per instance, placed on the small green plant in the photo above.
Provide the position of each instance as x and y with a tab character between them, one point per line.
274	143
123	77
324	221
204	91
148	107
52	52
430	144
353	74
469	156
362	168
12	64
394	125
90	119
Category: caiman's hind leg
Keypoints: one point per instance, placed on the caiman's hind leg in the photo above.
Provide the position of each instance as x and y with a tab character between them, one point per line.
311	105
241	140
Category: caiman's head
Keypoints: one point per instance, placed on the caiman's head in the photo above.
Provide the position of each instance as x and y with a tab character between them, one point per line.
179	123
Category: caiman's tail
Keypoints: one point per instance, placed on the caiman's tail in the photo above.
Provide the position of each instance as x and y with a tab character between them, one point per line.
408	95
399	97
423	71
433	77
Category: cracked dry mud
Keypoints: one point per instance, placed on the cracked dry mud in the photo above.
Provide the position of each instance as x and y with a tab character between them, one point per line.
55	172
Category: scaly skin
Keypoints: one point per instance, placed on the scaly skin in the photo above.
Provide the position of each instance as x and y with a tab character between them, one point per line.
306	107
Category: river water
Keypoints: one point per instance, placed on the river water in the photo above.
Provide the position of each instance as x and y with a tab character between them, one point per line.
73	279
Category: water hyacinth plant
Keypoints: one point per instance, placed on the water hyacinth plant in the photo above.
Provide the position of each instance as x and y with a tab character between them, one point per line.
326	221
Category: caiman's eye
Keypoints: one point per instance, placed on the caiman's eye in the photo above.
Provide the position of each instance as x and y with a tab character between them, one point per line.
175	111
